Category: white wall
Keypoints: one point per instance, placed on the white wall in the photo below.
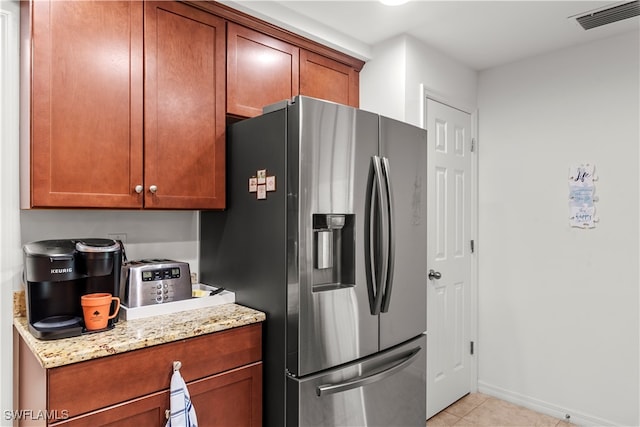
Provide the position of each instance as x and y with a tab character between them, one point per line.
559	306
444	78
150	234
383	79
391	82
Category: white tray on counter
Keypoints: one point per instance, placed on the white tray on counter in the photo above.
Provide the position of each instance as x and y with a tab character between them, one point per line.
224	297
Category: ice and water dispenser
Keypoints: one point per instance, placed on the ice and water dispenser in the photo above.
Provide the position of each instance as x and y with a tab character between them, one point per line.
334	251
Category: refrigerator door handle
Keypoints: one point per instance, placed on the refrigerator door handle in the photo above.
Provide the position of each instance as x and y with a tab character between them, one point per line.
374	219
390	260
405	360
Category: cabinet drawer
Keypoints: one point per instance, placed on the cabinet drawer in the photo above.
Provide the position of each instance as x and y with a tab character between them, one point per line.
85	386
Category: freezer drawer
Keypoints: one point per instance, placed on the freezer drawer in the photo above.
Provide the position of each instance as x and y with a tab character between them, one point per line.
387	389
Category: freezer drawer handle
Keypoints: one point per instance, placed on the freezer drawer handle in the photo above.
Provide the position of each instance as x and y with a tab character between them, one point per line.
327	389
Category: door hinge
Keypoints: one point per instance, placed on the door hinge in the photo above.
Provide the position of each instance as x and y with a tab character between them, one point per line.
473	145
473	246
471	348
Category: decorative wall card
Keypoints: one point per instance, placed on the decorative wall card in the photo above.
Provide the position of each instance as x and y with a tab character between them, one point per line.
582	212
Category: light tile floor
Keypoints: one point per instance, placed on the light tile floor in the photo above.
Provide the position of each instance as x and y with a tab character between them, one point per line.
478	409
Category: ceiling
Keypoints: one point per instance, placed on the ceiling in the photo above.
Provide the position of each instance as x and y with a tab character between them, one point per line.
479	34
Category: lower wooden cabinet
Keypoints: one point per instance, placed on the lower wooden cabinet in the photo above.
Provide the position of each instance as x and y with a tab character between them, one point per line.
223	372
226	400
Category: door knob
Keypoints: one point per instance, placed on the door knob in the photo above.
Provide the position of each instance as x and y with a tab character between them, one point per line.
434	275
139	188
153	189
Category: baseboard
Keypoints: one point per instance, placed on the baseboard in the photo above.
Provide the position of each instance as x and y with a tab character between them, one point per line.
575	417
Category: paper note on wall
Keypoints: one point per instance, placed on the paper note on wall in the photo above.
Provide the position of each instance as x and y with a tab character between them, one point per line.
582	211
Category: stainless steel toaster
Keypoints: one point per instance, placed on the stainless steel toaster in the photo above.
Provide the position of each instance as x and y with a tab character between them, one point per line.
154	281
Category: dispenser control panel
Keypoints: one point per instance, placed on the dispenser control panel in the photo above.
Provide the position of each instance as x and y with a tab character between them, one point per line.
160	273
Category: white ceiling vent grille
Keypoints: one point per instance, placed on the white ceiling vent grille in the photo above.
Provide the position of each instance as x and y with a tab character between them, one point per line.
610	15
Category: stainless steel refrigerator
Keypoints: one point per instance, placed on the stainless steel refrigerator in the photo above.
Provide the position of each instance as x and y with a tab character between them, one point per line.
325	232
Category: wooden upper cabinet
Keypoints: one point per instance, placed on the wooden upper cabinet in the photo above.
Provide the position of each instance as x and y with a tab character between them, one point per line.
128	99
86	103
324	78
184	116
261	70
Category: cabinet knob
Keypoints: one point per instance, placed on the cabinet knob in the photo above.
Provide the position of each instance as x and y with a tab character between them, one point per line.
153	189
139	188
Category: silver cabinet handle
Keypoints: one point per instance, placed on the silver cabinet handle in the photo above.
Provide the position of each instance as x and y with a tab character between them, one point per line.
139	188
434	275
153	189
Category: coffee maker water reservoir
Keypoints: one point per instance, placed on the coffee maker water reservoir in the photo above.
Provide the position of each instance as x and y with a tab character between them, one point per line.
58	272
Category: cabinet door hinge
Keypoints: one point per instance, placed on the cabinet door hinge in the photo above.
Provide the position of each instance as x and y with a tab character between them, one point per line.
473	145
473	246
471	348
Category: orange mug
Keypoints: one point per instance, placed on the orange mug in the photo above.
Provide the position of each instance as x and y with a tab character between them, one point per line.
96	307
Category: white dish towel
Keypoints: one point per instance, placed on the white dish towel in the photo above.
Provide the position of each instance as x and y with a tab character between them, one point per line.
183	414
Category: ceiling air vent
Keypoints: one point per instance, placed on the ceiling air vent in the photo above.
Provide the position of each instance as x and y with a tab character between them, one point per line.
610	15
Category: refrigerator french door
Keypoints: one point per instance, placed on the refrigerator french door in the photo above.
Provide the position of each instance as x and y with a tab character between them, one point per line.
383	391
332	248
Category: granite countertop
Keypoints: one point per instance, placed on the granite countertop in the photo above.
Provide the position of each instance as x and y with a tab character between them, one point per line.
135	334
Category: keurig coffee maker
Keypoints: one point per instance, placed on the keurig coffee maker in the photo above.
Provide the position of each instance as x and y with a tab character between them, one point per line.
58	272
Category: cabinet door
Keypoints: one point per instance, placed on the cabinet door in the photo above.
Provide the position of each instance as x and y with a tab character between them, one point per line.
231	399
324	78
145	411
261	70
184	107
86	103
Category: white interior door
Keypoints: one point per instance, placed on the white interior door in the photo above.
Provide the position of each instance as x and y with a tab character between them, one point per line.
448	255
